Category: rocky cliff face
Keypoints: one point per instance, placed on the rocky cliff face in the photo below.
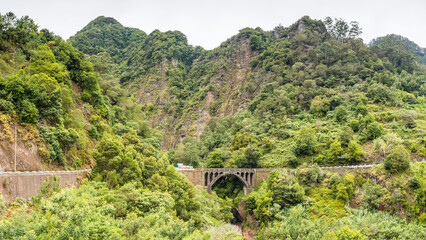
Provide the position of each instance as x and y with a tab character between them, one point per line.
223	92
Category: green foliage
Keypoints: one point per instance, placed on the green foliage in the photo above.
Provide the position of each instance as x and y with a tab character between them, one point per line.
286	190
117	163
296	224
398	160
345	80
215	159
341	114
355	152
309	177
28	113
188	153
408	118
16	31
335	151
305	142
59	139
373	131
94	212
399	51
341	30
2	204
105	34
373	195
242	140
345	233
380	93
250	158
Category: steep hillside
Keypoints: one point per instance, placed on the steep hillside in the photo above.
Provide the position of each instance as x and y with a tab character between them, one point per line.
310	92
403	42
308	95
51	93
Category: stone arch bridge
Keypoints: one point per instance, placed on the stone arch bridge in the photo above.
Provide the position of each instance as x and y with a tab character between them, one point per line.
250	177
207	177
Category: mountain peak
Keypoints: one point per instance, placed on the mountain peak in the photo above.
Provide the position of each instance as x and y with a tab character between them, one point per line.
306	23
102	20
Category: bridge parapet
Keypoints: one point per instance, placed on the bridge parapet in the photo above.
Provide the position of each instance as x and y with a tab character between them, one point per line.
26	184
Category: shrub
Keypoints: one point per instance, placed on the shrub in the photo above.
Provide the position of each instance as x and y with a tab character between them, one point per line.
380	93
361	109
309	177
28	112
354	124
3	205
373	195
334	152
341	114
293	161
6	106
346	136
250	158
286	190
414	183
355	152
215	159
345	233
408	118
305	142
374	130
398	160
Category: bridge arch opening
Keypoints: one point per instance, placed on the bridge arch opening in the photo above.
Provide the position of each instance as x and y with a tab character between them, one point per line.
228	183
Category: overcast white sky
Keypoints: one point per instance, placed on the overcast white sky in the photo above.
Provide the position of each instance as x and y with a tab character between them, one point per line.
209	22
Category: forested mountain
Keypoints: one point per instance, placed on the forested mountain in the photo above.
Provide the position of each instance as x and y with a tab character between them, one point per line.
404	43
287	94
128	104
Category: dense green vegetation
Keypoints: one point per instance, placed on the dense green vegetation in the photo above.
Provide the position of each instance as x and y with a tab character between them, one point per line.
403	42
313	205
135	193
312	94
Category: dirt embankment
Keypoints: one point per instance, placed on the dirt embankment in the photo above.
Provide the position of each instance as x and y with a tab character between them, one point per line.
29	148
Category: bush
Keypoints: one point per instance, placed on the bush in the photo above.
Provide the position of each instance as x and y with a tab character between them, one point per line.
414	183
293	161
250	158
309	177
335	151
3	205
28	112
361	109
374	130
346	136
408	118
305	142
286	190
380	93
6	106
373	195
345	233
354	124
355	152
341	114
398	160
215	159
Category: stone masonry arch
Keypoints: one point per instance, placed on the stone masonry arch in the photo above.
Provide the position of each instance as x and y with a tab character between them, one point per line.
212	175
251	177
